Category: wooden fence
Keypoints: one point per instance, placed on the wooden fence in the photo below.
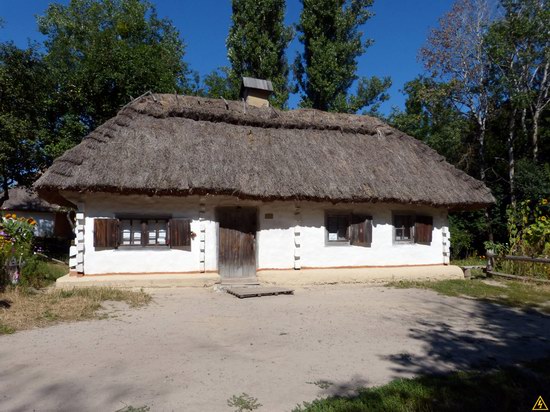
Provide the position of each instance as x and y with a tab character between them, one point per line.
491	266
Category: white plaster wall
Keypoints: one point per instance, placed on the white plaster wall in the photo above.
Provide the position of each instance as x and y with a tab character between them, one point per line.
146	259
383	251
275	247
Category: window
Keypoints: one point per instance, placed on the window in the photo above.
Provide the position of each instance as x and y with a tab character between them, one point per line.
143	232
337	227
349	229
403	228
410	228
130	231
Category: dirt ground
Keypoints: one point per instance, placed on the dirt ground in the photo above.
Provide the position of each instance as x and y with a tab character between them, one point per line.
192	349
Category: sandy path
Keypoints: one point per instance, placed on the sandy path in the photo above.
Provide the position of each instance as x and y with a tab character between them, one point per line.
192	349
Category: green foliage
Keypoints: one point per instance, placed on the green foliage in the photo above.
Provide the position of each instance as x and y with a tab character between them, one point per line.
23	82
101	53
6	330
510	293
38	272
256	46
432	117
529	228
532	179
326	70
16	242
243	402
465	229
506	389
220	84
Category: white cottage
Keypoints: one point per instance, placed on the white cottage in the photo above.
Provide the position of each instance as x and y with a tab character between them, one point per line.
212	189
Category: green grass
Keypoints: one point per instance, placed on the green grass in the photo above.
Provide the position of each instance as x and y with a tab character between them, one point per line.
39	272
508	389
511	293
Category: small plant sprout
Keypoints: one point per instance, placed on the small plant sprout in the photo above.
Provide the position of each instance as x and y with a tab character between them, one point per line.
243	402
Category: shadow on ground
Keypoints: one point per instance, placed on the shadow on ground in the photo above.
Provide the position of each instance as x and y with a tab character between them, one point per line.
489	335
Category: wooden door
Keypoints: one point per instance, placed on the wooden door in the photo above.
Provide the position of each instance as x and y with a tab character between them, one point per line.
237	242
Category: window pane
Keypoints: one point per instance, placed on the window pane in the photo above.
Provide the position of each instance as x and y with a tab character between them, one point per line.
133	230
126	231
337	227
402	225
136	232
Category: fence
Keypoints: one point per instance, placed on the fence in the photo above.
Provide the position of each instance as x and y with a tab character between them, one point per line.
538	271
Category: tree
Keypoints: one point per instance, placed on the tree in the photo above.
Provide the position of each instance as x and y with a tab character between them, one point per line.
23	86
326	70
519	45
102	53
256	46
430	116
455	54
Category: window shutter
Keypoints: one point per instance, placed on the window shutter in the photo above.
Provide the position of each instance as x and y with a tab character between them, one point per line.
423	228
106	233
180	232
360	230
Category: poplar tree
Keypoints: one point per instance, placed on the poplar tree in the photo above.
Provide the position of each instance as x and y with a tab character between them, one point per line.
327	68
256	46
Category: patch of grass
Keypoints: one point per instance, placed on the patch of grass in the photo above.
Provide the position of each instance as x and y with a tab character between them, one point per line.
130	408
6	330
508	389
511	293
30	309
39	272
243	402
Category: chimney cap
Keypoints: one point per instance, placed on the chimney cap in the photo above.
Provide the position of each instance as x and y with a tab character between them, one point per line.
259	84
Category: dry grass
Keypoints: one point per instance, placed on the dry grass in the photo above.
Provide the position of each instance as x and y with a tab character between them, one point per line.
20	309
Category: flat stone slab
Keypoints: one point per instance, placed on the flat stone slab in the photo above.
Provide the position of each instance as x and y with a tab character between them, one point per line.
253	292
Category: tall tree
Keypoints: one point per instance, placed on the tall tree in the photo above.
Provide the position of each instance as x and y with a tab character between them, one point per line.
256	46
519	45
103	52
455	54
23	87
326	70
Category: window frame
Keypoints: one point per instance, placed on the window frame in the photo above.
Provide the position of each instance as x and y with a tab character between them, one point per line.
340	213
144	231
413	215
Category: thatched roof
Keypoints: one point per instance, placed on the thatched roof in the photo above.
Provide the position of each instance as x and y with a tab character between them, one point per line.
22	198
174	145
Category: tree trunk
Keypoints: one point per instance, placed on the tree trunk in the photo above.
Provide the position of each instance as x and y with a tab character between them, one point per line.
5	192
511	158
535	135
483	175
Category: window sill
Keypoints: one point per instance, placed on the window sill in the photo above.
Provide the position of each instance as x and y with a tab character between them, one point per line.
338	243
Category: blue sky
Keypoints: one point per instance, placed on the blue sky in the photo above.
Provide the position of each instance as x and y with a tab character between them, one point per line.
399	29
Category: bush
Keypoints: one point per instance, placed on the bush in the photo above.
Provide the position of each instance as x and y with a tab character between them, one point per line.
16	244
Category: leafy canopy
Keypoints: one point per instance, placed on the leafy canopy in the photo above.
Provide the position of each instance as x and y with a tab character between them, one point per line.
326	70
257	42
102	53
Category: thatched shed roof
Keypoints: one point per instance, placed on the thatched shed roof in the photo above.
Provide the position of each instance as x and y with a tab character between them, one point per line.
23	198
174	145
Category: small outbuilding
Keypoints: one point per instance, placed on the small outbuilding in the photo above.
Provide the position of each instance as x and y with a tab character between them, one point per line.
212	189
52	221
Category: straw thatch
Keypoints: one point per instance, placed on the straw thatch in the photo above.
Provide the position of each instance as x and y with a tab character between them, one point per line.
174	145
25	199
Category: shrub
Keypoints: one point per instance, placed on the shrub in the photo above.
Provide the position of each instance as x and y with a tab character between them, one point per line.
16	242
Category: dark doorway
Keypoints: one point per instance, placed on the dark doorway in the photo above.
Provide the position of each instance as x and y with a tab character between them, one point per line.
237	242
